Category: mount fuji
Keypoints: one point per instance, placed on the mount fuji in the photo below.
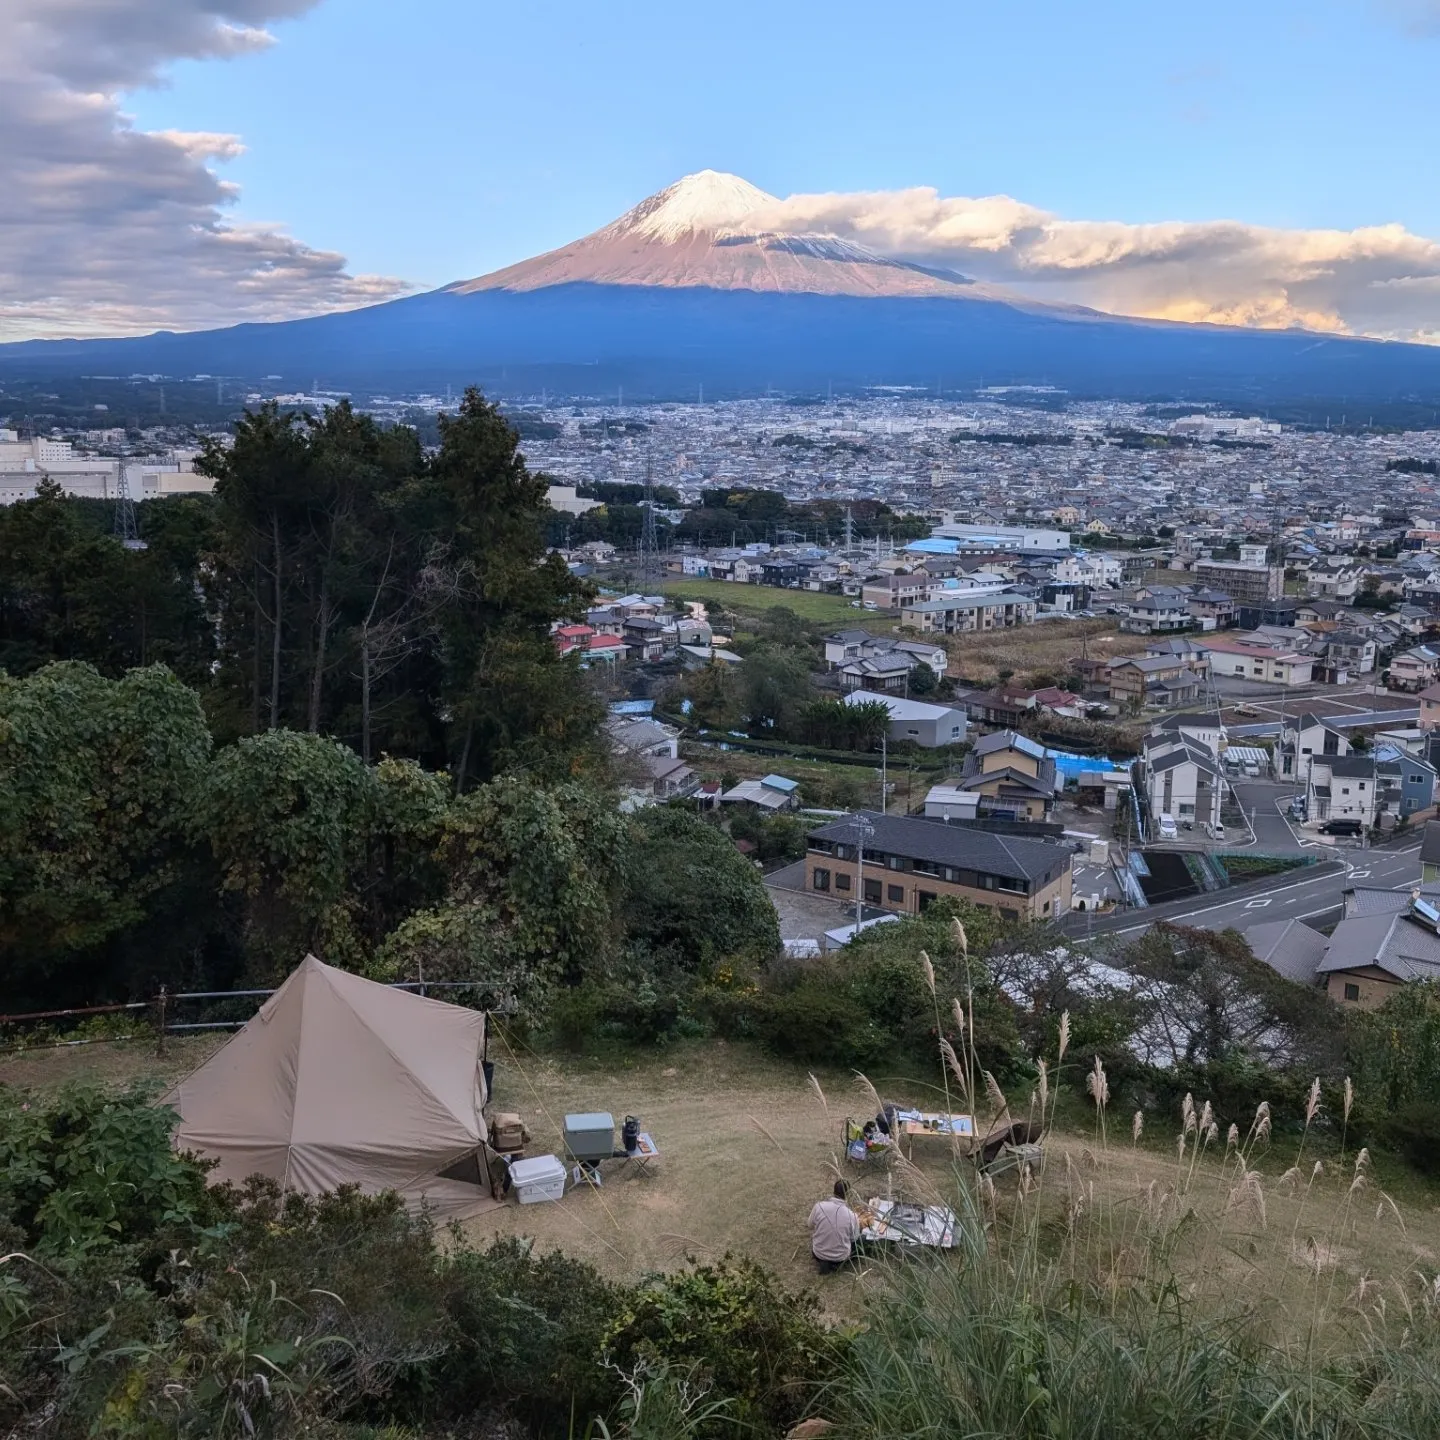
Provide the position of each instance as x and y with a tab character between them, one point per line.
696	286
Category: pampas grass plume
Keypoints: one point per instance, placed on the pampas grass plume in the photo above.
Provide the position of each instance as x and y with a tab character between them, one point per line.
1064	1035
929	970
1137	1127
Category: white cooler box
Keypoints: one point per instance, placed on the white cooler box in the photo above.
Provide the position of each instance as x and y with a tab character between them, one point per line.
541	1178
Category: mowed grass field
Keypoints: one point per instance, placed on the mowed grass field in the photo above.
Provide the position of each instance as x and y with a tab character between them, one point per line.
747	1144
830	610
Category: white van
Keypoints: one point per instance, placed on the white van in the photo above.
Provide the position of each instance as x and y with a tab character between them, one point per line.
1168	830
1215	831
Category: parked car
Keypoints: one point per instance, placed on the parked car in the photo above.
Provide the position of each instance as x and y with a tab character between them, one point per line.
1246	710
1251	770
1342	827
1216	831
1168	830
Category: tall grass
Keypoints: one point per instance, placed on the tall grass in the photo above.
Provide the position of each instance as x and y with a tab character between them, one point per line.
1090	1302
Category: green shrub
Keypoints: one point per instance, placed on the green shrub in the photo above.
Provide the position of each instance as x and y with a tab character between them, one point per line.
817	1023
1414	1130
732	1325
85	1170
530	1334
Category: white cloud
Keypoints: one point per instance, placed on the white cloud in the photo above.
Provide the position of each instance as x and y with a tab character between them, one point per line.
114	230
1377	280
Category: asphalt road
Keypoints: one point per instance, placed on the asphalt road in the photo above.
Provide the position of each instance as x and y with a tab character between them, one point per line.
1319	900
1273	833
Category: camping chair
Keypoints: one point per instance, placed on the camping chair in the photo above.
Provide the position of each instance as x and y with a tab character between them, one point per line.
859	1152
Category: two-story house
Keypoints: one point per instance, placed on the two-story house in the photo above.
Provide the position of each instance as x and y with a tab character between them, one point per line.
1415	669
1342	787
1301	739
911	861
1013	777
1179	775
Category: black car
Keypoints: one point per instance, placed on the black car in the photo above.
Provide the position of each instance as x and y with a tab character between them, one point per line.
1342	827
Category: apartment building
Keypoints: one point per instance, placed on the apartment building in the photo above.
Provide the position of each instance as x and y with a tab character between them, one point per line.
911	861
961	613
1244	583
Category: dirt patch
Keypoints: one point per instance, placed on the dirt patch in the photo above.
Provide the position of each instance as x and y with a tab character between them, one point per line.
1037	652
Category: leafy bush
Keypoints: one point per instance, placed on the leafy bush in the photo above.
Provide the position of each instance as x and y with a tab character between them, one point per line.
818	1023
530	1331
1414	1130
691	899
83	1170
735	1327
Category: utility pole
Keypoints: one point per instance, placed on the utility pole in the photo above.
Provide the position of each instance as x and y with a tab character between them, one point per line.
648	542
863	831
884	776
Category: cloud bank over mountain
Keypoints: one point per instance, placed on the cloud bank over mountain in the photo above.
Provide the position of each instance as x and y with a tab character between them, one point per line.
1378	280
110	229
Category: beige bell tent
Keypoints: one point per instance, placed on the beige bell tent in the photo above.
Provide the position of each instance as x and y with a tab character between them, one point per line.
340	1081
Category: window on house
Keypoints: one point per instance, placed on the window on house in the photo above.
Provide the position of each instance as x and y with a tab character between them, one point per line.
895	894
872	892
1015	887
1352	992
842	880
894	862
1009	914
821	880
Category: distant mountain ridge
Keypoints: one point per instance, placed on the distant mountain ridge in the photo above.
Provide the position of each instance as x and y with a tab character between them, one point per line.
690	288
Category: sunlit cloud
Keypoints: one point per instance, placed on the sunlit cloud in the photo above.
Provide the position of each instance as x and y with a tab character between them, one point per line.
112	230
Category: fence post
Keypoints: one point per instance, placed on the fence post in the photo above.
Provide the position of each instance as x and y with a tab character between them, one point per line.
161	1004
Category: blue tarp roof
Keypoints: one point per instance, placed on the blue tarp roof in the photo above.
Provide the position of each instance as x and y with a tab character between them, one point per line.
1073	765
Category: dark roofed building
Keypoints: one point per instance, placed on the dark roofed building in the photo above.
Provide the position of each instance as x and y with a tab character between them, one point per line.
911	861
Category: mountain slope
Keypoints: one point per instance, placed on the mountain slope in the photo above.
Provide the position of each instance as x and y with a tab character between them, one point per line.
695	233
686	290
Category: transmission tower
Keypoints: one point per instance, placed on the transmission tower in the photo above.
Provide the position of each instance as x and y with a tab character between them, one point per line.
849	528
126	531
649	555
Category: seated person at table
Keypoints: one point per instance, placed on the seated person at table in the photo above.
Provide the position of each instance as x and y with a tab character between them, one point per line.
834	1231
874	1140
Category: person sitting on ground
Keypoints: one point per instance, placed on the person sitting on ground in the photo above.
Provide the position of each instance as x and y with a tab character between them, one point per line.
834	1231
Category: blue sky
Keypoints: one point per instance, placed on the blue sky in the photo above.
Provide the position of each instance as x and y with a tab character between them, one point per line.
441	139
182	163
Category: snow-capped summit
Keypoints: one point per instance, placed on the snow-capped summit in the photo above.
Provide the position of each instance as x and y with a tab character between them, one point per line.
709	202
708	231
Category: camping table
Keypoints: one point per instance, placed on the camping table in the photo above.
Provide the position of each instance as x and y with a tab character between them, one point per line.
922	1124
891	1222
644	1152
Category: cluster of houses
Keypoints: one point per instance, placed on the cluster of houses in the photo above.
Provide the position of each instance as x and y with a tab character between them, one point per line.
641	627
1384	939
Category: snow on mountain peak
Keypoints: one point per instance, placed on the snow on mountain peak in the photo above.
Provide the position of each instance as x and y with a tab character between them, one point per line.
707	202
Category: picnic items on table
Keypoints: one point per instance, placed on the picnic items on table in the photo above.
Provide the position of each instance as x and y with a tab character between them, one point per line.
912	1125
894	1222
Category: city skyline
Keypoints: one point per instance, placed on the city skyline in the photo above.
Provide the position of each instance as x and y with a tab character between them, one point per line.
191	163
